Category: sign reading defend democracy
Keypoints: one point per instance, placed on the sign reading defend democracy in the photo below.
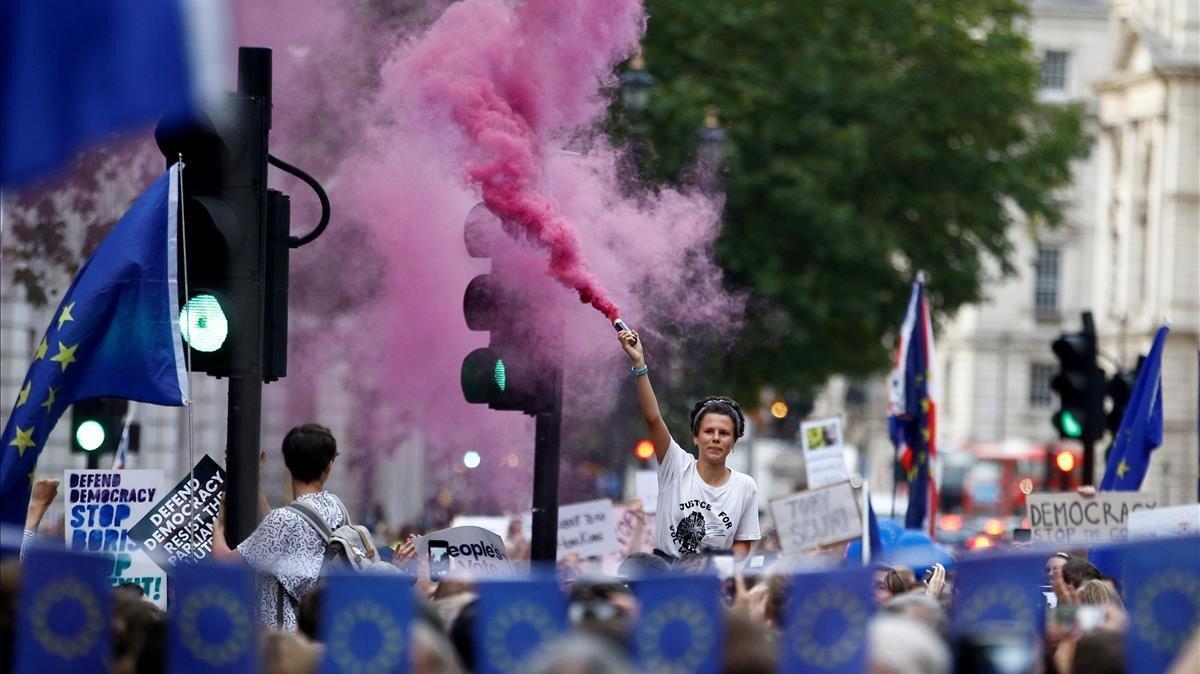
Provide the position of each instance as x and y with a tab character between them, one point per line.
817	517
180	526
102	506
1076	519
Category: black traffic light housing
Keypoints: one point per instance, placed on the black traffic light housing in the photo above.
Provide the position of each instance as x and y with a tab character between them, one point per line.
1080	386
1117	392
98	420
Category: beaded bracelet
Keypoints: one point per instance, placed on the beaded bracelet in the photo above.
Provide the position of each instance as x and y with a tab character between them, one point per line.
639	371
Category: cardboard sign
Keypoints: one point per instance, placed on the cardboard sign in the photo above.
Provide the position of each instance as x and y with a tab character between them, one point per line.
1074	519
1181	520
179	528
817	517
646	486
101	508
823	448
468	551
586	529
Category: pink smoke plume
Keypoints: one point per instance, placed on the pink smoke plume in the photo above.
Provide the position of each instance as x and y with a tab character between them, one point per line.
534	71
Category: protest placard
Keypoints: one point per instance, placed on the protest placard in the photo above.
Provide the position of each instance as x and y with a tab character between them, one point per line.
467	550
646	488
817	517
179	527
101	507
1071	519
586	529
824	452
1181	520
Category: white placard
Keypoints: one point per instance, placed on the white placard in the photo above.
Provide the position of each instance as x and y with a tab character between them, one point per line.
1181	520
817	517
586	529
469	551
823	447
101	507
1067	518
646	486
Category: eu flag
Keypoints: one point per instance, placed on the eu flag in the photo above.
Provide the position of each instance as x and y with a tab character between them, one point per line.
365	621
73	72
515	617
825	627
64	611
1000	594
912	410
1162	595
115	334
1141	427
213	626
681	626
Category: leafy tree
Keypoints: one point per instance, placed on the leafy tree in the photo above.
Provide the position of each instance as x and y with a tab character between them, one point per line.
867	140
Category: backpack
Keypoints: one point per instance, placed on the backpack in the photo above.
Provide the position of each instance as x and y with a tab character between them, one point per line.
347	548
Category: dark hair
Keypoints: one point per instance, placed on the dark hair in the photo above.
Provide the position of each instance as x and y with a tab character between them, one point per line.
718	405
1076	571
643	565
308	450
1100	652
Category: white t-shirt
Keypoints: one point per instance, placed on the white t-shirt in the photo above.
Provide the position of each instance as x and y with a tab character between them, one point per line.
694	516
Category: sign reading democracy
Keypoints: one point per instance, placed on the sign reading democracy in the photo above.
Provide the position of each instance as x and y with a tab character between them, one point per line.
462	550
179	528
102	506
1074	518
586	529
817	517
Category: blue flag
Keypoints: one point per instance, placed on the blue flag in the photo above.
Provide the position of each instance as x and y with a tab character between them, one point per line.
1162	595
1000	594
515	617
1141	427
825	628
213	626
115	334
365	622
681	626
74	72
64	609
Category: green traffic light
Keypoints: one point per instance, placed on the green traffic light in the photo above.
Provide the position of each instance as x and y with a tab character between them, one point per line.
203	323
90	435
500	375
1070	425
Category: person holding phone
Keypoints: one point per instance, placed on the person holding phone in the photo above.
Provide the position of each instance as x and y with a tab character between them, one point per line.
702	504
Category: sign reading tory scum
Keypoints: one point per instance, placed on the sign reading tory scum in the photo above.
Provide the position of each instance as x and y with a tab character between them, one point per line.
102	507
817	517
179	528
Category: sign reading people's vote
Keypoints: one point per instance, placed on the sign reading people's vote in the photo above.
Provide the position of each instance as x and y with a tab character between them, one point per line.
824	452
586	529
1074	518
179	528
462	550
817	517
101	508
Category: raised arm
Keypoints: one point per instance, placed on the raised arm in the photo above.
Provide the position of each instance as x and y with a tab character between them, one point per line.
659	434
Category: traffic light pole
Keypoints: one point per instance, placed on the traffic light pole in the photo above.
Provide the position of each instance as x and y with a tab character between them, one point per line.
547	436
1093	427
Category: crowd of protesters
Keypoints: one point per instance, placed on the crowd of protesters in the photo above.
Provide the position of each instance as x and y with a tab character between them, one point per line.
909	633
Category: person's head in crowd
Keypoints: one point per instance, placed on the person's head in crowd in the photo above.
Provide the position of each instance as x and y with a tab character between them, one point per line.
132	620
462	634
308	453
642	565
908	578
750	648
921	608
694	562
1054	567
886	583
578	654
1099	652
899	645
767	600
1075	573
289	653
1099	593
602	607
432	652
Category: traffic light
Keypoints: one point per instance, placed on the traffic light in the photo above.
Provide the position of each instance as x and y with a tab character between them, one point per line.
1079	384
1060	466
96	425
233	233
1117	392
512	372
644	450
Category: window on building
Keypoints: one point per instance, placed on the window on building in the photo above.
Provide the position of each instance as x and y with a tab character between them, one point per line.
1054	70
1048	271
1040	394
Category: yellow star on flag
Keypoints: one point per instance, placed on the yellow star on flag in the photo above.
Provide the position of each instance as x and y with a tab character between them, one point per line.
1122	468
32	475
49	399
23	395
41	350
65	355
925	404
23	440
65	315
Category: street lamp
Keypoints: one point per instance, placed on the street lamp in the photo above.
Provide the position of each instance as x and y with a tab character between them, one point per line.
636	84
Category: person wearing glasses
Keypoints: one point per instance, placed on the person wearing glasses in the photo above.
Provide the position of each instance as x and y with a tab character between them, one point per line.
703	505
